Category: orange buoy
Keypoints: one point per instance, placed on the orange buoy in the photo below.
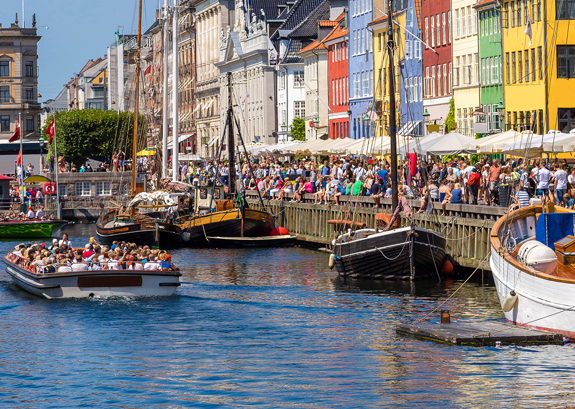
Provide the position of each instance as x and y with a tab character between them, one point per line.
447	267
279	231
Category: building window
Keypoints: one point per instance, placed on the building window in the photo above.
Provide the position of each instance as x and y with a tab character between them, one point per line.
507	68
512	14
29	124
443	28
63	190
514	67
538	10
457	25
526	53
506	16
379	41
4	94
29	69
433	80
103	189
4	123
520	73
298	79
29	95
540	57
476	61
495	69
83	188
438	80
426	30
437	26
483	71
299	109
566	119
519	12
533	64
566	61
4	68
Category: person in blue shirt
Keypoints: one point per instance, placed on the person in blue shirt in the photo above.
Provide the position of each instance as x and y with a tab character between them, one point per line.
325	170
382	175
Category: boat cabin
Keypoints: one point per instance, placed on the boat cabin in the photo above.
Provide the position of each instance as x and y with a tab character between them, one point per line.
211	199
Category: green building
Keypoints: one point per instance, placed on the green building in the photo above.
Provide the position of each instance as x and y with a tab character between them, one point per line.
490	67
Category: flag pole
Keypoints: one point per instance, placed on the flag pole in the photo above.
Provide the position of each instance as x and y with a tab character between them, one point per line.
58	216
21	158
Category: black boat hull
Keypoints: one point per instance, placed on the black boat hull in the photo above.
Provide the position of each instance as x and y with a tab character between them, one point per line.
255	223
150	233
401	254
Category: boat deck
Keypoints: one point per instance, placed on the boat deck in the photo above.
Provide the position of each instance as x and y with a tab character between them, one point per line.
563	270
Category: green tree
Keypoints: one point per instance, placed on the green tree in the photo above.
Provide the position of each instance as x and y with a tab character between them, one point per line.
81	134
450	124
297	131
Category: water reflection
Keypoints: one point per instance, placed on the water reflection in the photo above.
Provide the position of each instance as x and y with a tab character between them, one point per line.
274	328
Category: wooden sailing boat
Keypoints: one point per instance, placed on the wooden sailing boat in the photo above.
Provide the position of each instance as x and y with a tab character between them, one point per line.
405	253
226	220
121	224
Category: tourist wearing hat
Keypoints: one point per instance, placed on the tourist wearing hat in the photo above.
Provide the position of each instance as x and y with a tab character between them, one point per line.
40	213
31	213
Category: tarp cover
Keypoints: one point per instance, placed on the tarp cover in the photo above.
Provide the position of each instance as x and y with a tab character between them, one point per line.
552	227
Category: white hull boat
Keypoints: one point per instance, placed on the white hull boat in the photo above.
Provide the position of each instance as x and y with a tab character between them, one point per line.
533	275
103	283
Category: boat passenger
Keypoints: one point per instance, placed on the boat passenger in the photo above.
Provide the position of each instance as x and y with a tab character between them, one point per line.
40	213
65	241
31	214
65	267
79	264
88	253
165	262
151	265
136	264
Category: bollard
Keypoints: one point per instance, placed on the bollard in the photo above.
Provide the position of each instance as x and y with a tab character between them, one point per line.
445	317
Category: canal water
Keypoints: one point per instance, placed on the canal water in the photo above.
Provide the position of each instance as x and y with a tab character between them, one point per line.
268	328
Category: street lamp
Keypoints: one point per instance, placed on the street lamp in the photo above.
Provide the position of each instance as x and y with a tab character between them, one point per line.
316	125
501	111
426	116
41	141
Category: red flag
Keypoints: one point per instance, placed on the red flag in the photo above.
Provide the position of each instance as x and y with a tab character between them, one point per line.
148	70
51	130
16	135
19	162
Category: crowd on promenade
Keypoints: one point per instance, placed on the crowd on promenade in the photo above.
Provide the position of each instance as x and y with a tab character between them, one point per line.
62	257
452	181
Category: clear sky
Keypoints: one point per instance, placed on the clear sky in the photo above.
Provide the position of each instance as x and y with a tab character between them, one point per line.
79	30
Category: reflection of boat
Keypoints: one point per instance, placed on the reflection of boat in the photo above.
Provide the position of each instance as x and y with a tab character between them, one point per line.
398	253
123	283
140	229
36	229
533	265
402	253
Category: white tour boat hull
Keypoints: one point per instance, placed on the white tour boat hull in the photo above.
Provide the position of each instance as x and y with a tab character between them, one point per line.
103	283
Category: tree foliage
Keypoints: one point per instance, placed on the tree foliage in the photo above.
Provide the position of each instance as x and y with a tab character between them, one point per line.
81	134
297	131
450	123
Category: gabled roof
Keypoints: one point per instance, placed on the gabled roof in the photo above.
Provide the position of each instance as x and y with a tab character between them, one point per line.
308	26
291	56
484	3
384	18
270	7
337	31
301	13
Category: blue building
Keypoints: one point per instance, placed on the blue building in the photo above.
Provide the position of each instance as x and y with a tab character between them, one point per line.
411	76
361	77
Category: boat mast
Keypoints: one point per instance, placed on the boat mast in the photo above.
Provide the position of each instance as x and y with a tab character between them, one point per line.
175	84
231	142
136	96
392	119
165	113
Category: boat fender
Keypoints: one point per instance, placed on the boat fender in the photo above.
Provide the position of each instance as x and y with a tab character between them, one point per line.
186	236
331	262
337	257
509	301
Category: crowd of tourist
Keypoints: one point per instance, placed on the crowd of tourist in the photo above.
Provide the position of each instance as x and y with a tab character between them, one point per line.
452	181
60	256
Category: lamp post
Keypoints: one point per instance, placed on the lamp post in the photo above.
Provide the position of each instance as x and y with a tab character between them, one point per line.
425	121
41	141
501	113
316	125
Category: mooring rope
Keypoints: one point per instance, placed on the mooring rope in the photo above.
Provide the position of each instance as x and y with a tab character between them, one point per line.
455	292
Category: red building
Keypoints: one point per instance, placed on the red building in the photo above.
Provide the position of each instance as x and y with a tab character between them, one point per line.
338	81
437	66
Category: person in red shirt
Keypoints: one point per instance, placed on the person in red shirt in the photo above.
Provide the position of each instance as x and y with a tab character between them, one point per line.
473	184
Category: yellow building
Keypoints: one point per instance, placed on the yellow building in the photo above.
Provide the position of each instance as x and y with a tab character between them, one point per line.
381	70
537	87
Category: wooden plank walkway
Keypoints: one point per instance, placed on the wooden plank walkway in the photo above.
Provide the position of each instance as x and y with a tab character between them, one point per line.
479	333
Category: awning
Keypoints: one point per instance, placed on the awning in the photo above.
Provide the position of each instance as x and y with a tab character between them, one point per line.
36	179
181	139
147	152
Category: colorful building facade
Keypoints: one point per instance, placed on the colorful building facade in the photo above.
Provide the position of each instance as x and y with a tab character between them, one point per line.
490	66
437	34
338	79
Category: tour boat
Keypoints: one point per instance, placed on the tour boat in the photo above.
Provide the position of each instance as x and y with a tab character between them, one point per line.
104	283
33	229
533	265
404	253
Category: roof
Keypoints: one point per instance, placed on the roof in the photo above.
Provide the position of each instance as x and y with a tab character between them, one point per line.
308	26
484	3
337	31
291	56
384	17
270	7
302	13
